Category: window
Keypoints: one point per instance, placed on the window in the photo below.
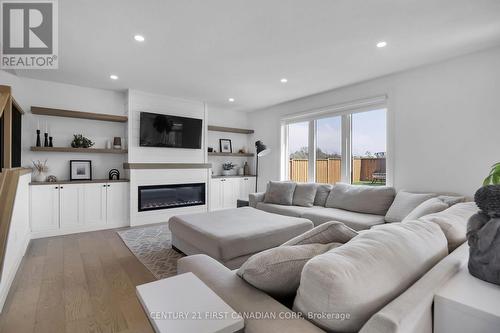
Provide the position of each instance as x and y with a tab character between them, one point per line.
348	147
298	151
329	150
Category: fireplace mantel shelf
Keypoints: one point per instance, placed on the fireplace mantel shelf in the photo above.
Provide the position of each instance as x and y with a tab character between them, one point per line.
137	166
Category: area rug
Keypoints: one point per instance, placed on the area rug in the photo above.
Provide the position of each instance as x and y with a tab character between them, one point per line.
152	245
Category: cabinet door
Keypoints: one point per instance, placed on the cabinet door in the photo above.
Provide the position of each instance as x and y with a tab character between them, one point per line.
71	205
44	207
94	204
231	191
247	186
215	199
117	204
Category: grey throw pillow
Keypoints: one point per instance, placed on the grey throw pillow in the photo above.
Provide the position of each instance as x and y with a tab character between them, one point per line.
280	193
431	206
304	194
451	200
362	199
404	203
322	192
277	271
328	232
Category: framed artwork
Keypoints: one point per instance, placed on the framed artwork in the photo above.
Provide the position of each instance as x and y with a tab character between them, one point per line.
225	146
80	170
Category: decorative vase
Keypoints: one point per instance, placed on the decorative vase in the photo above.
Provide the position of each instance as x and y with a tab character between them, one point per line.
38	176
226	172
483	235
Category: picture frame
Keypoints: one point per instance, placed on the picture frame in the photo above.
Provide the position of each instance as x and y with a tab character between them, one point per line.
225	146
80	170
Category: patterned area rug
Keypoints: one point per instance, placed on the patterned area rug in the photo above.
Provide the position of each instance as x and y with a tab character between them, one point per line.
153	247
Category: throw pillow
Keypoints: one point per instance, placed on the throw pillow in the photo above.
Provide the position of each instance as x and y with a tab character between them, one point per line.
362	199
451	200
304	194
322	192
328	232
362	276
431	206
280	193
277	271
404	203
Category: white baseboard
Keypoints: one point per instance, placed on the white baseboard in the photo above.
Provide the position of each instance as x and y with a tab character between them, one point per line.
5	285
87	228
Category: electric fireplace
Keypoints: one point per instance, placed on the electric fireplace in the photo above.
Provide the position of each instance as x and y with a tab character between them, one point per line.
171	196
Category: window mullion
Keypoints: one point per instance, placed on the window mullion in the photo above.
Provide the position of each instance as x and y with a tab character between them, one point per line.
346	148
311	164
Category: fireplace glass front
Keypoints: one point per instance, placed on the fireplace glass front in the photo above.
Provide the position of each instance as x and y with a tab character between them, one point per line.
171	196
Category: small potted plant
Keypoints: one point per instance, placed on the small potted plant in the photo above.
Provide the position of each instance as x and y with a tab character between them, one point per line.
39	169
79	141
483	230
227	167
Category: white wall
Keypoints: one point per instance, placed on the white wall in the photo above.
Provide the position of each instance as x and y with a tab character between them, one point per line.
18	238
29	92
445	122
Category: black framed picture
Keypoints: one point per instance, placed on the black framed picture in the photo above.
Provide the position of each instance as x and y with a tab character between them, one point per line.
225	146
80	170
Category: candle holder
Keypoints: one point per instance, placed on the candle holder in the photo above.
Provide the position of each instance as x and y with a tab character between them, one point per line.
46	140
38	140
50	142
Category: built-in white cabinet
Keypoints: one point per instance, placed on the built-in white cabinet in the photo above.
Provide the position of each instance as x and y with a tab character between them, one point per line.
225	192
65	208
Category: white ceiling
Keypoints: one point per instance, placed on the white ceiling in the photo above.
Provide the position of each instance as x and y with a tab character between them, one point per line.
211	50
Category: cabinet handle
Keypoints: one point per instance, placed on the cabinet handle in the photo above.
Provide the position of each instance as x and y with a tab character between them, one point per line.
245	179
103	185
57	187
109	185
61	187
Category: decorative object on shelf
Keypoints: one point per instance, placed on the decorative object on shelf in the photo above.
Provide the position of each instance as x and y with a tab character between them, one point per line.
242	151
483	230
80	170
79	141
46	139
241	171
225	146
261	150
39	169
114	174
117	142
210	150
51	144
107	145
38	139
51	179
227	167
246	169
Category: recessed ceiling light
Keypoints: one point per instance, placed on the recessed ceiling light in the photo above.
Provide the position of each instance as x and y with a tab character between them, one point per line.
113	77
231	100
381	44
139	38
284	80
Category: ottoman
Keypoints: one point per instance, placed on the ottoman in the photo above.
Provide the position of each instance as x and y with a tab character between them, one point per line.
231	236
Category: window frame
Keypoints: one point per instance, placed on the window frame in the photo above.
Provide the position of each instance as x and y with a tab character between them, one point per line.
345	111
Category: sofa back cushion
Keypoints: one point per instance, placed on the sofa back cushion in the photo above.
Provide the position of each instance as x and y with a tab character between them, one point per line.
357	279
304	194
431	206
404	203
280	193
360	198
322	192
328	232
453	222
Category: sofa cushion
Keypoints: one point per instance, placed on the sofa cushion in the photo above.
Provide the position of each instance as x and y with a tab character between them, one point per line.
360	198
295	211
453	222
451	200
404	203
431	206
304	194
362	276
329	232
322	192
230	233
277	271
280	193
356	221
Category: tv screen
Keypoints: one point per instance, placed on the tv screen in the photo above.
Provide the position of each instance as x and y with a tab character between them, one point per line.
159	130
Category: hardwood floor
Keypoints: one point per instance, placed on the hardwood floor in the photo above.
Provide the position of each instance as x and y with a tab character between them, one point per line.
77	283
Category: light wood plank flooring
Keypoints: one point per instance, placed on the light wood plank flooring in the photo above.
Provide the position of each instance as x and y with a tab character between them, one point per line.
77	283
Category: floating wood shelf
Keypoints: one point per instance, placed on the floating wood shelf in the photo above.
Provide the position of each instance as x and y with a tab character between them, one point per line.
93	181
79	150
230	154
78	114
129	166
230	130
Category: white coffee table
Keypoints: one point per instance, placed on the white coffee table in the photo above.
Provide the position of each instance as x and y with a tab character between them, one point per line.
184	304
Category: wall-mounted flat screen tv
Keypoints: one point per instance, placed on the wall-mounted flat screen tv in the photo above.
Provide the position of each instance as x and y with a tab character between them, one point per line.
159	130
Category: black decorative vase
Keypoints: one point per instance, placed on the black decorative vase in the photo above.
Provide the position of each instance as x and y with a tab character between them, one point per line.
51	144
38	140
46	139
483	235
